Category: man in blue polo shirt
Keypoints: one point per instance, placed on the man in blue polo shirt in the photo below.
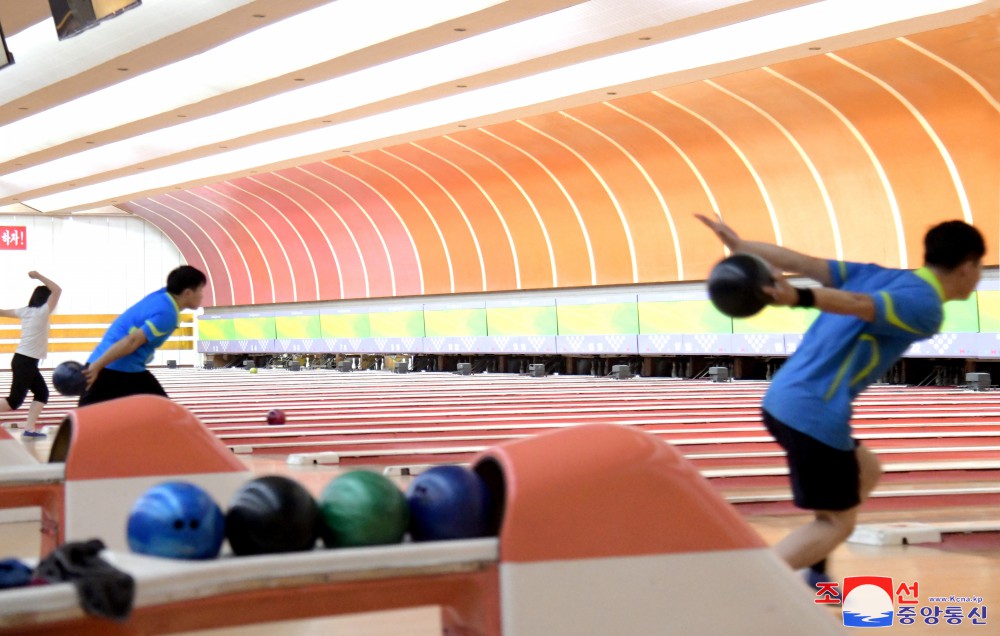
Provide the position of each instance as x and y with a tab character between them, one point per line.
117	367
869	316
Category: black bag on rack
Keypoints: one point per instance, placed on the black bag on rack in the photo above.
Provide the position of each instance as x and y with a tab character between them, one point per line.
103	589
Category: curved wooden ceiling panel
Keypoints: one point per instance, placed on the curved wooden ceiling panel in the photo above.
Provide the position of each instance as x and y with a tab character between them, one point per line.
851	155
435	272
371	251
197	247
553	215
507	210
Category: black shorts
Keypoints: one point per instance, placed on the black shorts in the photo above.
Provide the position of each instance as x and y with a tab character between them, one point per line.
26	377
111	384
822	477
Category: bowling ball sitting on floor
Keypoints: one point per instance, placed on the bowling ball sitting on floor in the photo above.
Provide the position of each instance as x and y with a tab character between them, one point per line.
448	502
275	416
176	520
68	378
360	508
272	514
736	285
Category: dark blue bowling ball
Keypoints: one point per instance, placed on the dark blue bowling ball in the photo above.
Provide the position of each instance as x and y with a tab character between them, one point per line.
68	378
176	520
448	502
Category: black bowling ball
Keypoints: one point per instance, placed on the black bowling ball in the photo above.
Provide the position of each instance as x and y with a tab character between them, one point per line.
735	285
272	514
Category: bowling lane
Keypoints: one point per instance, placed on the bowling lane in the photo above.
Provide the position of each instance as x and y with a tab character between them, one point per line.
382	419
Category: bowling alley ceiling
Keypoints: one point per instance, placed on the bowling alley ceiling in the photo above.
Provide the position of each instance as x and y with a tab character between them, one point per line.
300	150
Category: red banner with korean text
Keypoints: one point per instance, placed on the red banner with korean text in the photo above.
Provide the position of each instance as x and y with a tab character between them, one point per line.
13	237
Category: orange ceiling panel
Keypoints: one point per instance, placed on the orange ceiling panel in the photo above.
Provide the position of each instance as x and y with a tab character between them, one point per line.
851	155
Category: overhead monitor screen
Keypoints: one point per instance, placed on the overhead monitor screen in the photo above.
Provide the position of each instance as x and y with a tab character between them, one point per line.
5	56
72	17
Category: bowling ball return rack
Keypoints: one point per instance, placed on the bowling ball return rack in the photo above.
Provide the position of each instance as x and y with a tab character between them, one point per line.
600	528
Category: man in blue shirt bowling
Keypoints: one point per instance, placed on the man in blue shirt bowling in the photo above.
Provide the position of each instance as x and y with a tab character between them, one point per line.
869	316
117	367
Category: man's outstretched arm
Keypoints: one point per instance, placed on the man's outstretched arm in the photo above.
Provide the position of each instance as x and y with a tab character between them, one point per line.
783	258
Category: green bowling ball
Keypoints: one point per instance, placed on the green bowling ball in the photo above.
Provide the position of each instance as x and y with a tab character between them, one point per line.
362	508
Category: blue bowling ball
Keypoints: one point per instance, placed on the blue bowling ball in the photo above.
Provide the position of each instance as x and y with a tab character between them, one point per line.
176	520
68	378
448	502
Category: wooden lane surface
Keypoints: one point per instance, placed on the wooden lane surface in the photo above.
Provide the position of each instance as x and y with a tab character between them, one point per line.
383	418
211	391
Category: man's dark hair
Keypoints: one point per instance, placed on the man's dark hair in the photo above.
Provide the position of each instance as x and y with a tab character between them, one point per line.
40	296
185	277
949	244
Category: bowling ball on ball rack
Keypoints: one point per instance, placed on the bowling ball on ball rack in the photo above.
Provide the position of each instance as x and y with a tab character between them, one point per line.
272	514
361	508
176	520
448	502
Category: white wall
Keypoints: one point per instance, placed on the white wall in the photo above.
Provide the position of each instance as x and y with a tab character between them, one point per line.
103	263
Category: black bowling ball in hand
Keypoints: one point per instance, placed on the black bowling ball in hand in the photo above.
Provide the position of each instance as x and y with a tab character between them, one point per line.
736	285
68	378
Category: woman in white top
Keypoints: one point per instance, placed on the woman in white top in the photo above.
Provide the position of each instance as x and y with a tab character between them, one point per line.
33	347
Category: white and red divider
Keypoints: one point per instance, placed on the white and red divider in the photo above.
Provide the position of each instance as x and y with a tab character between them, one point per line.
602	529
117	450
26	484
105	456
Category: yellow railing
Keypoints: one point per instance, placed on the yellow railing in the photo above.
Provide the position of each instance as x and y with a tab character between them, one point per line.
71	333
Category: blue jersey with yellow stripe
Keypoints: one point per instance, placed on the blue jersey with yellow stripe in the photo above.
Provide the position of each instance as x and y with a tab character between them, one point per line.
156	314
840	356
